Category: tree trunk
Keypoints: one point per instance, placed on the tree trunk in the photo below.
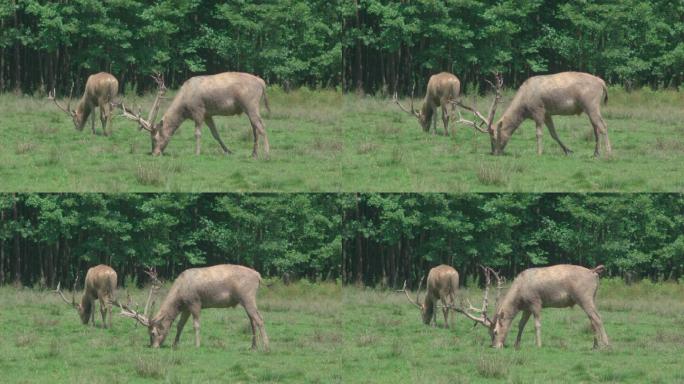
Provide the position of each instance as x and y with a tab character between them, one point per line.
17	57
2	250
359	247
17	249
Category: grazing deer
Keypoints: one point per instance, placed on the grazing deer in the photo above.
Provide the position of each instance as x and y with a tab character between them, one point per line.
540	97
557	286
100	284
200	98
441	89
100	90
220	286
442	285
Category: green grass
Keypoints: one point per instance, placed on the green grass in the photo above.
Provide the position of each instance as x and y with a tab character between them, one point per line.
646	129
326	334
43	341
326	141
42	151
386	341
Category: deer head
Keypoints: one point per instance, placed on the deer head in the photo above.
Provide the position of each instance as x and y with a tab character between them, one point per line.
422	118
486	121
75	115
148	124
425	312
493	324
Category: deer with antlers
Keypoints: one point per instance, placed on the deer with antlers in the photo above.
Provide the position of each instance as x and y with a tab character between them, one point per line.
100	90
442	286
557	286
541	97
100	284
441	89
219	286
199	99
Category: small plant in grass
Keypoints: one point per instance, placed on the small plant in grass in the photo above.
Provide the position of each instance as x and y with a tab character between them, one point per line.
492	174
492	367
24	340
366	148
149	174
25	147
149	367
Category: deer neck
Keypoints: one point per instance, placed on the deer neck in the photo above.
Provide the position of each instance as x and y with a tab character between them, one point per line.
86	308
513	116
172	118
168	311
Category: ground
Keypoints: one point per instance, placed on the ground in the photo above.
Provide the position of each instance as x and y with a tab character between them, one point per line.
386	342
323	333
324	141
43	341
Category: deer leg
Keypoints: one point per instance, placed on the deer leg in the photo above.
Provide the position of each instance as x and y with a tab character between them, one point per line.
554	134
445	120
103	313
539	137
198	136
196	326
521	327
214	132
179	328
109	312
258	129
600	129
92	120
537	326
600	336
257	322
445	313
107	120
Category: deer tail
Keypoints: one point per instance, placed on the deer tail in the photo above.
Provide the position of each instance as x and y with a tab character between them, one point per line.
263	95
599	269
605	96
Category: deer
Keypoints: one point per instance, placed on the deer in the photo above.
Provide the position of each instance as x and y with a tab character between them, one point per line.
100	284
557	286
199	99
441	89
219	286
541	97
442	286
100	90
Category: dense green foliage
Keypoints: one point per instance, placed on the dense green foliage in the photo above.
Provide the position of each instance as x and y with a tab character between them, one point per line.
392	237
46	44
45	238
390	44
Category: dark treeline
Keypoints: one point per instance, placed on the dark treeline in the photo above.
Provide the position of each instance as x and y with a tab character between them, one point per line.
392	237
50	43
47	238
390	43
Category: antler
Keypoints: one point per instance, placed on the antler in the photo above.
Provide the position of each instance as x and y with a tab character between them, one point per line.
483	318
417	301
156	284
67	110
127	311
412	111
73	294
487	121
148	124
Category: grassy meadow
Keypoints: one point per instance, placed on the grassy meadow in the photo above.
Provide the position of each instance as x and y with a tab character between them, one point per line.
327	141
386	342
322	333
389	150
43	341
43	152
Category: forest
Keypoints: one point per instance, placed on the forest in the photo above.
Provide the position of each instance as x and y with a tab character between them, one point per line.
389	238
47	238
46	44
389	45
